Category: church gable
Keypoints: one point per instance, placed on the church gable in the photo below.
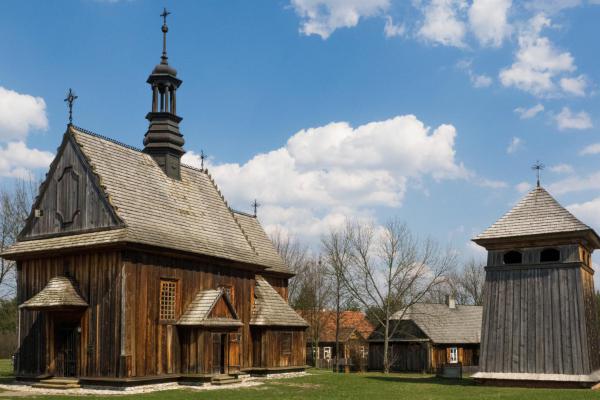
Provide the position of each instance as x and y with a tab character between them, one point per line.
222	309
70	200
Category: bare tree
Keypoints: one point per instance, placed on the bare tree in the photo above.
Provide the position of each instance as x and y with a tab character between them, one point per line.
337	250
470	282
295	255
15	206
390	269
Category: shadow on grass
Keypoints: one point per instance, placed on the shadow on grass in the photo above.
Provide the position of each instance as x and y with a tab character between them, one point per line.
429	381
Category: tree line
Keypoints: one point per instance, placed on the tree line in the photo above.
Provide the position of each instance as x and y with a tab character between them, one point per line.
381	270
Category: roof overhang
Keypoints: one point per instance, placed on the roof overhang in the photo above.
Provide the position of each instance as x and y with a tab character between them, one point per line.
587	237
59	294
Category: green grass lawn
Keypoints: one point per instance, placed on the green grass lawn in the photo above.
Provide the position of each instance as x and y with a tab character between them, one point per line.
370	386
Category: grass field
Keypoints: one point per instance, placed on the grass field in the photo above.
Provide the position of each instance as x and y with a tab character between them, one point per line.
371	386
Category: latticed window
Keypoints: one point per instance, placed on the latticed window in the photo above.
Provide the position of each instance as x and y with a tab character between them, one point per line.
168	296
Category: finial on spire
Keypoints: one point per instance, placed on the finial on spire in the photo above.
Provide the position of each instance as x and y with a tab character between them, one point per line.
255	206
71	97
538	167
202	158
165	29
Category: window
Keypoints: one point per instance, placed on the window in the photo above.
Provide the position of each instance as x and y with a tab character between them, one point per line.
363	352
168	296
550	255
286	343
327	353
513	257
453	355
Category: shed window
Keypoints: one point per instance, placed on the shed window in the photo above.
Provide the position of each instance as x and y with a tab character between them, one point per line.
549	255
327	353
453	355
513	257
168	297
286	343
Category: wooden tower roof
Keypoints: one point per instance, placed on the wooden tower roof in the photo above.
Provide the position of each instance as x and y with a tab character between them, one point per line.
537	214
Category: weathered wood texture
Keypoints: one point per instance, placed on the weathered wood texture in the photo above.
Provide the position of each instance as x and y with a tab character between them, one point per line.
98	275
71	200
420	357
539	320
279	284
278	347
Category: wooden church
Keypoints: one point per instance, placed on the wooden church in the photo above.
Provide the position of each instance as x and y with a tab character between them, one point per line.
133	268
540	324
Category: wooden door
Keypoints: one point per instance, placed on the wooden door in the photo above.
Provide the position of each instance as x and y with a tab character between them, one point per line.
66	344
219	345
234	360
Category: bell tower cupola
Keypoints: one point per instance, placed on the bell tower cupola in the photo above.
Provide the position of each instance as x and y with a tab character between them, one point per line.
163	141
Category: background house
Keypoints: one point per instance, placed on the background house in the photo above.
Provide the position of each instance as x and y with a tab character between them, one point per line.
355	330
428	336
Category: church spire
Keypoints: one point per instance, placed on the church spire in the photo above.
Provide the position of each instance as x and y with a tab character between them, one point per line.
163	141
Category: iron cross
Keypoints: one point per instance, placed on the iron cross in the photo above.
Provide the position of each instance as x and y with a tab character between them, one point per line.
71	97
164	15
255	205
538	167
202	158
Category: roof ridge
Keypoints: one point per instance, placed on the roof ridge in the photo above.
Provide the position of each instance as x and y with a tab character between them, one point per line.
108	139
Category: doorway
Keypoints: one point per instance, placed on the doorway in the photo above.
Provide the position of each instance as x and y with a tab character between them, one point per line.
219	344
66	340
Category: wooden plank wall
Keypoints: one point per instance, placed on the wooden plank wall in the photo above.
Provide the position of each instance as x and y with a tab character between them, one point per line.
154	347
279	284
98	276
539	320
271	354
91	210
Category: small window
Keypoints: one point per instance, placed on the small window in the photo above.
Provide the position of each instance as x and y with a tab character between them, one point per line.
286	343
168	298
513	257
550	255
327	353
453	355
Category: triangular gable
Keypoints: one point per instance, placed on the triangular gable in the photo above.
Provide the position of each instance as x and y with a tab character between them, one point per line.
210	308
71	200
222	307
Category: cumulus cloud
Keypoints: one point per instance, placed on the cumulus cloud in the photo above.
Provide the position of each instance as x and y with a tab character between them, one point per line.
17	160
514	145
489	21
568	119
593	148
576	184
323	17
562	169
538	64
20	114
527	113
442	24
477	80
574	86
323	174
588	211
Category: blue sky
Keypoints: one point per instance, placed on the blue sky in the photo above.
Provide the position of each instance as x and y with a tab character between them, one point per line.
430	110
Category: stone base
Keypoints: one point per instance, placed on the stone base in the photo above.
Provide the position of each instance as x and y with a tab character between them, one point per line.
537	380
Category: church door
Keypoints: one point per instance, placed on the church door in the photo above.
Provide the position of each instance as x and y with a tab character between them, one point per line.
234	352
66	344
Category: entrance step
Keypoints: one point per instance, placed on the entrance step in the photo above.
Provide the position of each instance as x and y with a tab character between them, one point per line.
57	383
221	380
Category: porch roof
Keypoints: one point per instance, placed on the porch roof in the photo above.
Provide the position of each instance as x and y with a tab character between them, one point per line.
59	293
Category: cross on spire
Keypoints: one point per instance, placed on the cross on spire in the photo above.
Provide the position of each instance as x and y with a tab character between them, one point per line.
202	158
255	206
538	167
165	29
71	97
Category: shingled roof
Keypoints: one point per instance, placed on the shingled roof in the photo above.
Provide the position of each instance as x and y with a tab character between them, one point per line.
350	322
198	312
59	292
270	309
536	214
443	324
190	214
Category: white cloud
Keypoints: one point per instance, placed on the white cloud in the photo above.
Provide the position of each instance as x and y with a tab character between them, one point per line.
567	119
576	184
488	20
442	24
593	148
527	113
562	169
523	187
514	145
538	63
20	114
575	86
391	30
588	212
18	161
323	17
481	81
325	173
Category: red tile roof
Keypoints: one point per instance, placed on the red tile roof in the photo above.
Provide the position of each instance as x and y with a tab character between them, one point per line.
350	321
